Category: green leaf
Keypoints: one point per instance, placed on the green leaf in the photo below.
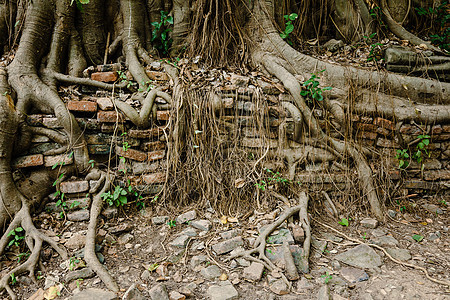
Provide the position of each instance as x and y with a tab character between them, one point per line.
19	229
84	1
418	238
169	20
289	28
343	222
293	16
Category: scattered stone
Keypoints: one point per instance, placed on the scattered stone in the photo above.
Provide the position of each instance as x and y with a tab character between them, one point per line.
434	236
387	240
83	273
361	256
71	187
323	293
94	294
110	212
187	216
211	272
38	295
318	247
119	229
124	239
242	262
198	260
369	223
78	216
133	293
145	276
278	286
189	289
378	232
228	245
76	241
159	292
283	235
230	233
331	237
105	104
50	281
399	254
434	209
174	295
253	272
180	241
392	213
189	232
240	81
304	284
354	275
204	225
298	233
334	45
224	291
160	220
335	265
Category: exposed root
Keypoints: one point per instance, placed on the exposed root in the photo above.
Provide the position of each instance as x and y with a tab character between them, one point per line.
259	246
441	282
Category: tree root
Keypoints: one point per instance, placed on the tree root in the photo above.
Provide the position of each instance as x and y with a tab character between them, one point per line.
259	246
441	282
34	239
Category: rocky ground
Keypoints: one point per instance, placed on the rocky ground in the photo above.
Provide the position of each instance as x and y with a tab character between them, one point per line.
166	256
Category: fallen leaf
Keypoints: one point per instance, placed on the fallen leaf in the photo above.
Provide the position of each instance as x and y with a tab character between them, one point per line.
224	220
223	277
52	292
239	183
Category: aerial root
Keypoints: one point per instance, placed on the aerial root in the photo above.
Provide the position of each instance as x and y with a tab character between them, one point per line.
259	246
34	239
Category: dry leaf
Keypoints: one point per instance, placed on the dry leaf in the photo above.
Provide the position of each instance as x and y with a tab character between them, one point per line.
223	277
239	183
233	220
52	292
224	220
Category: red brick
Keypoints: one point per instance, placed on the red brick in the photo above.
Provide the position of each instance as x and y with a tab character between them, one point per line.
154	75
105	76
105	104
163	115
437	129
86	106
28	161
109	117
70	187
441	137
367	135
64	159
154	178
385	143
384	123
109	127
145	133
156	155
132	154
366	127
152	146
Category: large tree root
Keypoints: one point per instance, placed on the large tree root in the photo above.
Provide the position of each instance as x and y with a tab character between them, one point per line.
259	246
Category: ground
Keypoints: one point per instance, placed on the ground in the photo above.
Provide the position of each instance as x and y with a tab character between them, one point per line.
132	243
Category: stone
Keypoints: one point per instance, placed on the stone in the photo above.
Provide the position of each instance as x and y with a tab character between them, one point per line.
228	245
99	149
361	256
82	273
124	239
224	291
152	146
145	276
323	293
189	231
76	241
354	275
198	260
211	272
333	45
399	254
180	241
163	115
105	76
369	223
38	295
204	225
392	213
253	272
278	286
71	187
94	294
239	81
318	247
119	229
145	133
159	292
110	212
156	155
304	284
174	295
434	209
78	216
109	117
387	240
298	233
160	220
105	104
187	216
159	76
82	106
132	154
279	236
230	233
63	159
28	161
133	294
50	281
154	178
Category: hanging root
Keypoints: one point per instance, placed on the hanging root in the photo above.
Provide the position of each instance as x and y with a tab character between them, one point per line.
259	246
34	239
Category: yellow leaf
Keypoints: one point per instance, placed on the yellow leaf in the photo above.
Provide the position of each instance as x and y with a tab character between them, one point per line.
224	219
52	292
223	277
424	223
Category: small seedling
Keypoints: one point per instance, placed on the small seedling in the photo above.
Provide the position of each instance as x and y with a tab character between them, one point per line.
160	33
17	236
403	158
285	35
171	223
327	277
418	238
364	236
73	261
312	90
13	279
153	267
22	255
343	222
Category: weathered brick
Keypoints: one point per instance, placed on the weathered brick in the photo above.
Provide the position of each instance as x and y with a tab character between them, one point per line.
383	123
154	75
446	128
411	130
162	115
98	138
366	127
105	103
71	187
156	155
100	149
238	80
82	106
228	103
385	143
65	159
367	135
35	120
364	119
420	185
152	146
436	129
132	154
105	76
88	124
145	133
109	117
441	137
51	122
154	178
437	175
28	161
111	127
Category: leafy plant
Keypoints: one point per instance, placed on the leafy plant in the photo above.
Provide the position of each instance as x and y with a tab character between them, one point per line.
439	16
285	35
377	15
261	185
327	277
117	198
403	158
73	261
171	223
13	279
421	148
17	235
343	222
374	48
79	3
123	79
418	238
160	33
275	178
22	255
312	90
